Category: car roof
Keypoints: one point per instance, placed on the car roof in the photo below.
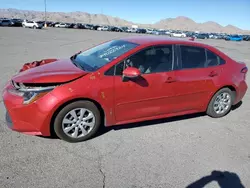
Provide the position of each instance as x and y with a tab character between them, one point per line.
151	39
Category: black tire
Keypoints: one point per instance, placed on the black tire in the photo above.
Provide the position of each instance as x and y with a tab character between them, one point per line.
78	104
34	27
210	109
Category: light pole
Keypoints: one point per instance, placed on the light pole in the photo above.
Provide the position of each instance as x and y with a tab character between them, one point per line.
45	13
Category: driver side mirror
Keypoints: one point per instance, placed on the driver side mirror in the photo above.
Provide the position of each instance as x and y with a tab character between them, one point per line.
131	72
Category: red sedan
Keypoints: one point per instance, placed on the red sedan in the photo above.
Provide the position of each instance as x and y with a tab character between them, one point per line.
122	81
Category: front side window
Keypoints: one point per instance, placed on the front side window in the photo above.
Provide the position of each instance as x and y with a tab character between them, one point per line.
98	56
151	60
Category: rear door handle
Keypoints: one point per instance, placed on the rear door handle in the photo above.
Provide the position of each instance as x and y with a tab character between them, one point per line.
213	74
170	80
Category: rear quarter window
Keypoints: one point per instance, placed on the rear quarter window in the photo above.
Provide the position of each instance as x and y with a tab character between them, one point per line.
213	59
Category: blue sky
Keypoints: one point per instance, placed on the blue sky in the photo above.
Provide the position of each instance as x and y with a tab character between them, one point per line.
149	11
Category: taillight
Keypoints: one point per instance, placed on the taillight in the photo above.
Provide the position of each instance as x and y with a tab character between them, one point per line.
244	70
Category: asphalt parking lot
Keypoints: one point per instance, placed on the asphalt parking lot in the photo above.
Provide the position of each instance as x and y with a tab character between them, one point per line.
169	153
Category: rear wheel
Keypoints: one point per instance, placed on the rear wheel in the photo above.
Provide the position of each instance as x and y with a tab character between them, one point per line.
78	121
221	103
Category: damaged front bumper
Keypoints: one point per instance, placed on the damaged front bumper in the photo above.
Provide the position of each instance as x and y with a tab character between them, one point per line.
8	120
32	118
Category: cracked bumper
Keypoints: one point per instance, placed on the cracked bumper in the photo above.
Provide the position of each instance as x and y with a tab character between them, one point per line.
31	119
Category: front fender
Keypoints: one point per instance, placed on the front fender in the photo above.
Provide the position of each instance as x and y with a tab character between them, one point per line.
88	88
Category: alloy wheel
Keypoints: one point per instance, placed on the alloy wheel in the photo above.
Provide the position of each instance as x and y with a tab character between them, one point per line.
222	103
78	122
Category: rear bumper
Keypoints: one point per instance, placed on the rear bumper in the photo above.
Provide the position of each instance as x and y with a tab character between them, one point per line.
241	92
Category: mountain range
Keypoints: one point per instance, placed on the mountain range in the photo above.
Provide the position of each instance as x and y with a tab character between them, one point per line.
178	23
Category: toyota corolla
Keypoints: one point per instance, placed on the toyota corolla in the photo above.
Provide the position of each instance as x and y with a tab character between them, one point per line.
122	81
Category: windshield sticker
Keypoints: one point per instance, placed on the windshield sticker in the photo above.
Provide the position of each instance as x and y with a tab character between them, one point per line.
111	50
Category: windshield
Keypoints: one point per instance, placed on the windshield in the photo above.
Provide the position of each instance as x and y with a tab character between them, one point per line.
96	57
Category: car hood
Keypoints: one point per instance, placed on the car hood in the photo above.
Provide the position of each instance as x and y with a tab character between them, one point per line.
59	71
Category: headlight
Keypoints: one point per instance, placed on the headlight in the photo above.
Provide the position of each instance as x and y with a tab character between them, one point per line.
31	96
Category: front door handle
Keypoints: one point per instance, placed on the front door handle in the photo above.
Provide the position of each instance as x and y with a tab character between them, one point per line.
213	74
170	80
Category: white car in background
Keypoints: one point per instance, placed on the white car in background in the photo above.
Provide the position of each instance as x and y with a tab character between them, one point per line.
132	30
178	34
61	25
32	24
149	31
103	28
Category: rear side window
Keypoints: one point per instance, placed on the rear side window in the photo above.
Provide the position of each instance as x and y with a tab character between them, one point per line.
197	57
192	57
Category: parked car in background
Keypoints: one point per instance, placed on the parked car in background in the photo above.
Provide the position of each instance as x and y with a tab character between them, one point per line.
246	37
124	28
78	26
234	38
190	34
61	25
132	30
17	22
49	23
149	31
117	29
140	30
122	81
54	23
202	36
6	22
95	27
159	32
87	26
32	24
41	23
103	28
178	34
71	25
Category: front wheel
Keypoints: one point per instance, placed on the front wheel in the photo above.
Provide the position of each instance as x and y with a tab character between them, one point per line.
221	103
78	121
